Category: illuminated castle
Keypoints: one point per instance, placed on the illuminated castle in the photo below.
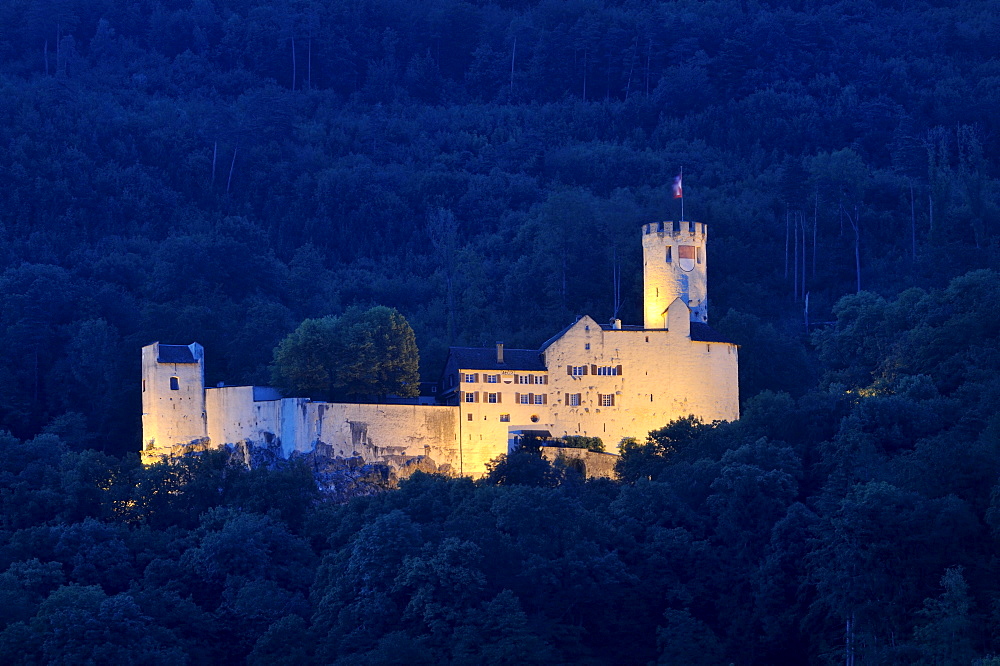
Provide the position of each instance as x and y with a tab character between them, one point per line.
598	380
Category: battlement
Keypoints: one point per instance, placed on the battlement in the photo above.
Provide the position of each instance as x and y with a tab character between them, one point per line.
676	228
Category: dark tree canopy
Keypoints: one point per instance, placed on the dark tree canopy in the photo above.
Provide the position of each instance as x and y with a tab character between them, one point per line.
222	170
361	353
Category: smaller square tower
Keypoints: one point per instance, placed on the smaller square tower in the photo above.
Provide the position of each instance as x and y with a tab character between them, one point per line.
173	398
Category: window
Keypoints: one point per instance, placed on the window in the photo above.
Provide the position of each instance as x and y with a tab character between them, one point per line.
670	256
492	379
573	399
505	418
175	384
540	399
586	345
606	399
524	398
541	379
609	370
577	370
469	378
469	415
471	396
493	398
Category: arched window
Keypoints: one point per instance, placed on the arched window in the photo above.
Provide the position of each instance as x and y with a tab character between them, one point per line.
175	384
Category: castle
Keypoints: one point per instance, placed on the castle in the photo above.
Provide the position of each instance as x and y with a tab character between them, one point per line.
599	380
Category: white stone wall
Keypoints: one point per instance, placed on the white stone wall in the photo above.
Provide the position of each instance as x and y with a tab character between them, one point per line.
376	432
482	431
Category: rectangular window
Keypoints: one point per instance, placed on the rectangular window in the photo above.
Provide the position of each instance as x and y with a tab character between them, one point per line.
505	418
606	399
539	398
670	257
469	378
470	396
175	384
492	379
577	370
493	398
573	399
469	415
525	399
609	370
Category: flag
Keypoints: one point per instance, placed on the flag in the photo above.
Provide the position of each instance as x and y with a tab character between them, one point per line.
678	189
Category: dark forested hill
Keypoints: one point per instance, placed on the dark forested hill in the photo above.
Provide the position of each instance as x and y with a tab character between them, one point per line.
219	170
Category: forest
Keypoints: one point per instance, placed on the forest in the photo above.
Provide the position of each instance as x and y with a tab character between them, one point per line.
221	170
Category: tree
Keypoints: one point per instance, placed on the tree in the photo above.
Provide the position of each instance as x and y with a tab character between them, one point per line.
362	353
945	638
686	640
670	444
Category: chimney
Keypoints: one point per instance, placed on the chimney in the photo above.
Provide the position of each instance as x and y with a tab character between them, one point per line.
499	352
616	324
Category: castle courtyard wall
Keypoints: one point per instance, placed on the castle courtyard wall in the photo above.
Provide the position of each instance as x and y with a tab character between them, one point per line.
387	433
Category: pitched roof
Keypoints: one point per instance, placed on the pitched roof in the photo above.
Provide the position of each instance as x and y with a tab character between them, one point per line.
626	327
700	332
704	333
485	358
175	354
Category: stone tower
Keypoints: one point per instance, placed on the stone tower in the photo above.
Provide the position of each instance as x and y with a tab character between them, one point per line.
173	398
673	266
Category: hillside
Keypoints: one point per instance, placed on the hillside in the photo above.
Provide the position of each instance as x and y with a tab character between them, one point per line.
220	170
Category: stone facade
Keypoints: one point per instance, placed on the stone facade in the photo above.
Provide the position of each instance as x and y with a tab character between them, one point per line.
608	381
173	397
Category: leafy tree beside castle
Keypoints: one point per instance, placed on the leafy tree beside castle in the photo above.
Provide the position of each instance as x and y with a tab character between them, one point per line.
360	354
